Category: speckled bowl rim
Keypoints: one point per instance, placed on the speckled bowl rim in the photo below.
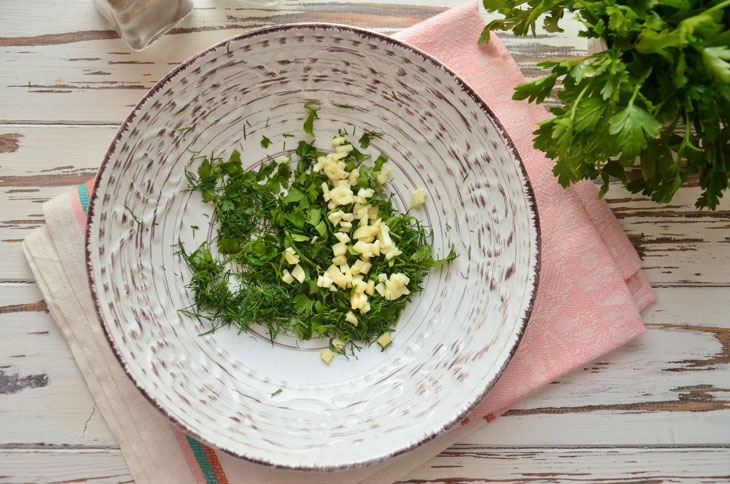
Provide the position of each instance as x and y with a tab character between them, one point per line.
527	186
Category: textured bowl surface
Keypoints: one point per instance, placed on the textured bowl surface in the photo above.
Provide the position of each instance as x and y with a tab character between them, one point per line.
453	340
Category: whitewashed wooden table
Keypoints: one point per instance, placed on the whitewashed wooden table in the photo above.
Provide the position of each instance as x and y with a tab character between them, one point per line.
657	410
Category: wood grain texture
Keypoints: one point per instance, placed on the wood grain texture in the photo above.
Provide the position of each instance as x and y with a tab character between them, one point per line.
108	79
42	165
61	66
630	466
463	463
98	466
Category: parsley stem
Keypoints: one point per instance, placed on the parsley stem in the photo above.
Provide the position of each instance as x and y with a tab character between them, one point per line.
633	96
686	142
719	6
640	83
577	101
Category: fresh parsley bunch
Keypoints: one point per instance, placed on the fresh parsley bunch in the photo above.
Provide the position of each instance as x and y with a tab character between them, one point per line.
657	96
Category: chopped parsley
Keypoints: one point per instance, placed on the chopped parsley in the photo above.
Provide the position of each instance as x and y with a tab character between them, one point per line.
367	136
309	122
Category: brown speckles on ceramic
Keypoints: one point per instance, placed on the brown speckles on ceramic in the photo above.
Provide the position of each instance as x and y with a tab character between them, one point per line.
453	340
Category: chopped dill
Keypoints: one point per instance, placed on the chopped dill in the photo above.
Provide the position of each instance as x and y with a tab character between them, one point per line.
187	128
265	142
276	393
343	106
287	135
228	48
134	217
465	177
394	96
239	279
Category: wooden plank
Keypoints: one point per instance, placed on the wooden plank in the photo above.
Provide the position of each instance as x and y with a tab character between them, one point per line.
679	244
104	77
99	80
42	392
63	466
479	464
462	463
37	164
72	16
669	386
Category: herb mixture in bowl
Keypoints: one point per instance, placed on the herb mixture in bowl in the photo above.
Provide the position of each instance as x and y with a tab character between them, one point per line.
317	250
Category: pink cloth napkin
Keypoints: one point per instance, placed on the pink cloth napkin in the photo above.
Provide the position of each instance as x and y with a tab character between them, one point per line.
591	287
588	302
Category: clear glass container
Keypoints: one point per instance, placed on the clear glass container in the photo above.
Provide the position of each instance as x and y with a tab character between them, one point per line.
141	22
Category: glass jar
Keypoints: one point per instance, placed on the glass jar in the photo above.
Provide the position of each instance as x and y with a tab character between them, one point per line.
141	22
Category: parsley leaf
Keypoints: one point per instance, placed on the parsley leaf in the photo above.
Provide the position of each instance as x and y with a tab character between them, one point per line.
309	122
367	137
588	114
537	90
633	125
715	60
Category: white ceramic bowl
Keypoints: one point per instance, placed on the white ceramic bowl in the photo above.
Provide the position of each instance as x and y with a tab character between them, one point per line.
453	340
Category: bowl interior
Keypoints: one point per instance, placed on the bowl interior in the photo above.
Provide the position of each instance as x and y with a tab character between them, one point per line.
452	341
